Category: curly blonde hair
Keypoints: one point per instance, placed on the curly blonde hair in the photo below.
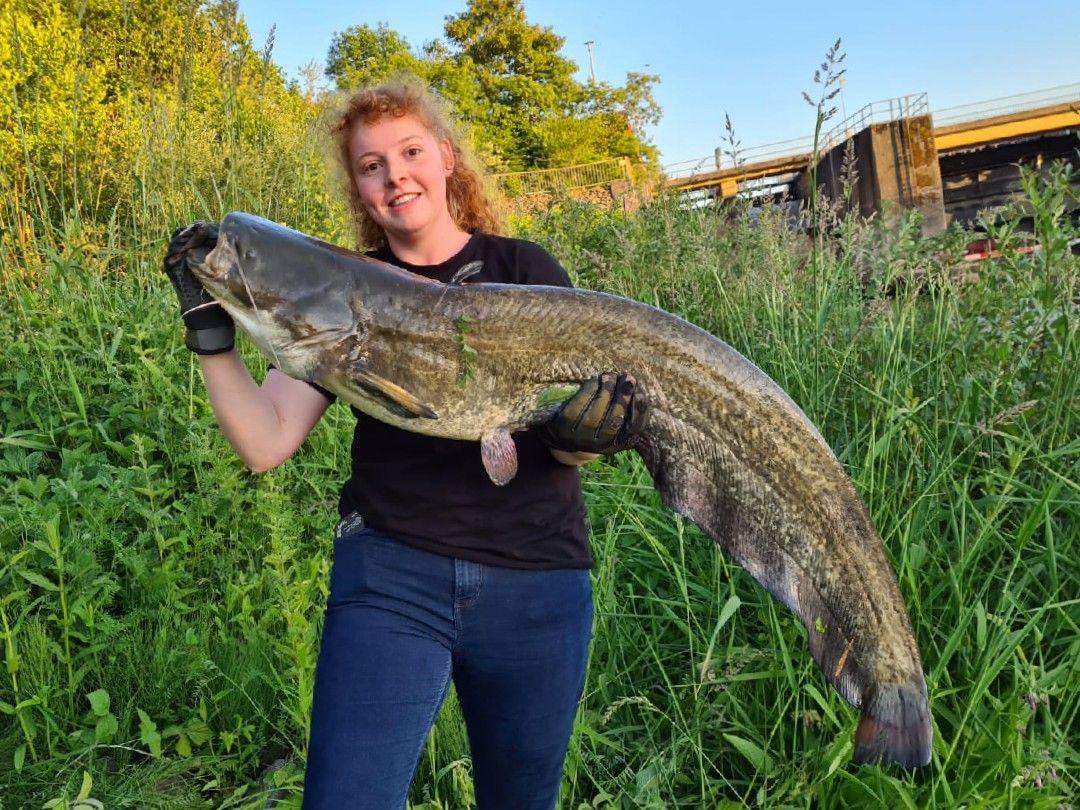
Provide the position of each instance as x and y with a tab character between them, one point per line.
404	94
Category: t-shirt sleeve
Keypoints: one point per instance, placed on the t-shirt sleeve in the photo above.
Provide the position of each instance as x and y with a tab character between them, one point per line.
540	267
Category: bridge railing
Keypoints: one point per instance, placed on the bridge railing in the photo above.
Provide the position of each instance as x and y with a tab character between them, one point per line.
721	159
566	178
1004	105
876	112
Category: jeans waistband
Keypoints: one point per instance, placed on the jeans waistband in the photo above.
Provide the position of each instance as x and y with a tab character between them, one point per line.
350	524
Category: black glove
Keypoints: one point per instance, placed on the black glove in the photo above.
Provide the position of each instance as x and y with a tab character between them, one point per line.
604	416
210	328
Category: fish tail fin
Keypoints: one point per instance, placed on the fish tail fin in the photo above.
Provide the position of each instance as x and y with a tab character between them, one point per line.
895	727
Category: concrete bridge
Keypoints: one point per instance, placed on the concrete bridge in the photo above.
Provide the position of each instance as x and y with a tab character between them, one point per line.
950	164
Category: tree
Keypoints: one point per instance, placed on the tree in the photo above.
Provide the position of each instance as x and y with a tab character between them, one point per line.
364	55
511	88
620	115
520	76
105	104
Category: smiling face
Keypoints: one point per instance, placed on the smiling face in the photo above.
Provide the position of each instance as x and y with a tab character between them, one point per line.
400	170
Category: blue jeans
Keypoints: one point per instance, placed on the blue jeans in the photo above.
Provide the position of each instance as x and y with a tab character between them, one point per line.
400	623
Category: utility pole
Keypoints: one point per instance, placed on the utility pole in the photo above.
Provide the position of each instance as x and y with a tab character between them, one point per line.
592	67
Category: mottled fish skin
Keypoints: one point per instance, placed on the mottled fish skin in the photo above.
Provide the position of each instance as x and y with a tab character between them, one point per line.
725	446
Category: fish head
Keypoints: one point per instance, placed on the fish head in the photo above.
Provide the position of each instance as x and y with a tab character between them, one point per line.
257	263
287	290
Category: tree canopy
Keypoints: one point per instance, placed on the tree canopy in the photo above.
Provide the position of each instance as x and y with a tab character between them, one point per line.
108	106
510	86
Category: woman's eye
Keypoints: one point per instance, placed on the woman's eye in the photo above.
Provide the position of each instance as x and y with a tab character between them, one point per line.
413	151
368	168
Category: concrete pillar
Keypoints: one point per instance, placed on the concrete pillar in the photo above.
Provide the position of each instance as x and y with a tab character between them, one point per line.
907	169
896	167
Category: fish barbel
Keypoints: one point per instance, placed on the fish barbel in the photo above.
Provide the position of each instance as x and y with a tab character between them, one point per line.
726	447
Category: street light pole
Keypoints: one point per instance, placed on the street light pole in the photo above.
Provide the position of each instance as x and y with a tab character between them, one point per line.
592	67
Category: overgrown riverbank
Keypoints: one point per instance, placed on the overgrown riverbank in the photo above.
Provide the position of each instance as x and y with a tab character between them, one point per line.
161	606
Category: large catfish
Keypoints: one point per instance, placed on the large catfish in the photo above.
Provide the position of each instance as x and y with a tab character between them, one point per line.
725	446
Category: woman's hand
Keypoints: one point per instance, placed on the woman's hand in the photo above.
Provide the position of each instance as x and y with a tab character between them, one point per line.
603	417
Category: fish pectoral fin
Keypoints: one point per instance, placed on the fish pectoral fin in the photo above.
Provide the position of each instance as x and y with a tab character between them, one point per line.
391	395
499	454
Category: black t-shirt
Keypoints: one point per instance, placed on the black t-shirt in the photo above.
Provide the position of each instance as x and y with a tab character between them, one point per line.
434	494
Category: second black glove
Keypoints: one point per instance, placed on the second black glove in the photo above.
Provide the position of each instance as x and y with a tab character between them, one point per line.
604	416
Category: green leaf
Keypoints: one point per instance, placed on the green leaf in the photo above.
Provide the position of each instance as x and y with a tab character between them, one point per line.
555	395
153	740
148	733
39	580
199	732
730	606
183	747
87	784
20	757
15	440
757	757
145	723
841	754
106	728
99	702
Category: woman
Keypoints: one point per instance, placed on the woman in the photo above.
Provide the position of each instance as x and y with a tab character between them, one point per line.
438	574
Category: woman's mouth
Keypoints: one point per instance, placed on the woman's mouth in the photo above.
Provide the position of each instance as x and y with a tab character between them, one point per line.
403	199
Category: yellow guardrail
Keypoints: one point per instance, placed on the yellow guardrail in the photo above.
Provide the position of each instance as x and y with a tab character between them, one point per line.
566	178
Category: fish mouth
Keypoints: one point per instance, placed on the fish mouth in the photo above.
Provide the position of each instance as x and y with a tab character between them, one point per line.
218	263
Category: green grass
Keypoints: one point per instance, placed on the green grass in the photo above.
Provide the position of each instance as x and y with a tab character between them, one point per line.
160	606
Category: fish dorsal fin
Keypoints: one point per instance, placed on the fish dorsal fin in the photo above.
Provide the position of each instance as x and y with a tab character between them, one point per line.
499	454
389	394
466	272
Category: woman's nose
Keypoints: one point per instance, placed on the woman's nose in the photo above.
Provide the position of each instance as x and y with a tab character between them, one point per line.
395	172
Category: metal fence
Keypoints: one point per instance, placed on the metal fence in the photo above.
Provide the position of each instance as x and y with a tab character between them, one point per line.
566	178
876	112
722	159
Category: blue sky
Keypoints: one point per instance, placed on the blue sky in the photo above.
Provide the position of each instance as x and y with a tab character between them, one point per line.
750	60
